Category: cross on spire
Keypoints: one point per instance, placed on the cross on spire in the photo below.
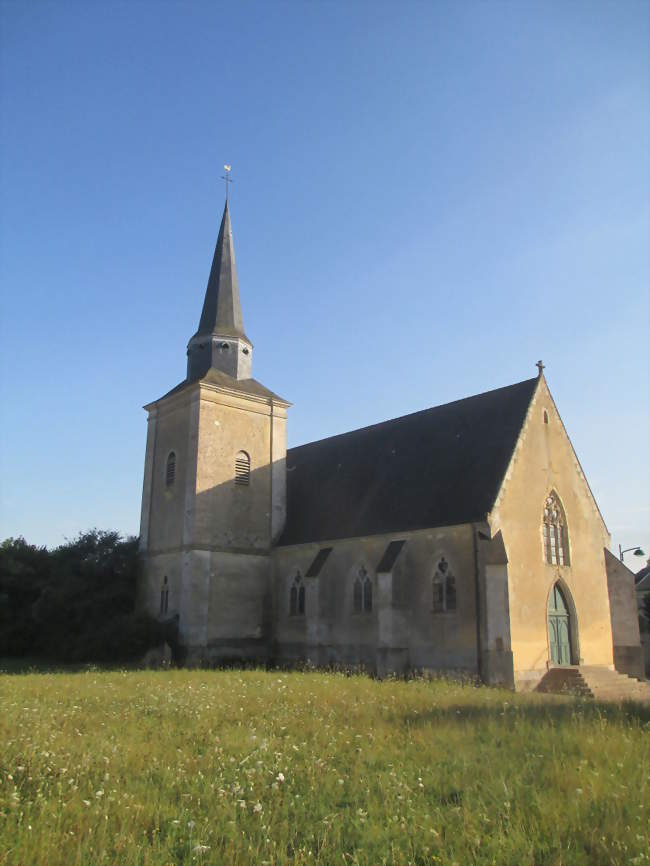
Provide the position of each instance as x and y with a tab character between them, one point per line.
227	178
540	368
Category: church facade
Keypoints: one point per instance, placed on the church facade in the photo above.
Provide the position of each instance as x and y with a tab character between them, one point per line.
464	538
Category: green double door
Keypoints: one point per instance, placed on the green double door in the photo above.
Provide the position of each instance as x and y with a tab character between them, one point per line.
559	634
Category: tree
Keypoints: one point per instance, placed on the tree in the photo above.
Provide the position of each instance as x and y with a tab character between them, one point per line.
76	602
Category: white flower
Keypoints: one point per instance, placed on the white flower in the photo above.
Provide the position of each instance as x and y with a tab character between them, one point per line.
341	782
86	802
280	777
200	849
190	824
257	807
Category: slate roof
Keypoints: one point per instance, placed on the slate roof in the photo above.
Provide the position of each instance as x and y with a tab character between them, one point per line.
221	312
439	467
642	576
389	557
223	380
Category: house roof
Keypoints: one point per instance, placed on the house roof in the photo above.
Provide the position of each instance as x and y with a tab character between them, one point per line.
642	578
439	467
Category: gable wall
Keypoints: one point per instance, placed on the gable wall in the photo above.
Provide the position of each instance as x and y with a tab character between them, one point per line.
544	461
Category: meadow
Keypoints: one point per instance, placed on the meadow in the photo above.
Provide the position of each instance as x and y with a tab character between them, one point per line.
255	767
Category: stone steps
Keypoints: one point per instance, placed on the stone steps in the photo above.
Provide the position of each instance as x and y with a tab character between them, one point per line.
591	681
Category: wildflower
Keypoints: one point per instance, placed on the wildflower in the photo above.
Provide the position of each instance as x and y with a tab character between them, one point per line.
201	849
341	782
190	824
86	802
578	790
257	807
99	793
280	777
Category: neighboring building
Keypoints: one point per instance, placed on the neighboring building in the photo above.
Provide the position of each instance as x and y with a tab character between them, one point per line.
461	538
642	591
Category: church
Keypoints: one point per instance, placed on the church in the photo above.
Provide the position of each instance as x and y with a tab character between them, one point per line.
460	539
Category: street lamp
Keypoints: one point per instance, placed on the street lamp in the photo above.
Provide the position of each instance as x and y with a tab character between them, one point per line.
637	551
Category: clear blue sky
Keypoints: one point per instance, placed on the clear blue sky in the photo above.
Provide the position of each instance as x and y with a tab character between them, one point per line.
428	198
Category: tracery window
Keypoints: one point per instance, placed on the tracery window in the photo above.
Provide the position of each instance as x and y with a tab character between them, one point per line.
164	596
170	471
556	537
362	592
444	588
242	468
297	596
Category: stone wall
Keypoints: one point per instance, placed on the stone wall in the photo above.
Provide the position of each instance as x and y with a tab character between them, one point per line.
402	631
628	652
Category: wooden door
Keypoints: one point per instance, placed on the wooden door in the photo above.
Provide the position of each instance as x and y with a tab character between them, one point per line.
559	632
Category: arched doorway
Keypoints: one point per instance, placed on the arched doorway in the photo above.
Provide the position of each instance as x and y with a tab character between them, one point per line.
559	627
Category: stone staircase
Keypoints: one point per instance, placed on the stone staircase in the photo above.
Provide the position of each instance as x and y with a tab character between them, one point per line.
597	682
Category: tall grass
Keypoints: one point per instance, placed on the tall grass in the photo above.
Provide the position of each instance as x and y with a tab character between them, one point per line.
270	768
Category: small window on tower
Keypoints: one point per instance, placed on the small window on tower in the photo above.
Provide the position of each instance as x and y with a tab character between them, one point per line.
170	472
242	468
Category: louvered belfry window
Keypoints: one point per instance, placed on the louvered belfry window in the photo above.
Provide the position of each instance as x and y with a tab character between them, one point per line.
170	472
242	468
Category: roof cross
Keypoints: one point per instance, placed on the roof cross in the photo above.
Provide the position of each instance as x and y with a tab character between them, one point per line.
227	178
539	365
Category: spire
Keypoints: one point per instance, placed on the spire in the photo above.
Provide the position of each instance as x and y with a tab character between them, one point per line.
220	340
222	308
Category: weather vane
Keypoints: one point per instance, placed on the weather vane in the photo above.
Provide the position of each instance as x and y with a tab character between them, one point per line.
227	178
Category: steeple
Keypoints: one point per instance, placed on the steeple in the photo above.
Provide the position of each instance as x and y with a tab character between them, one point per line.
220	340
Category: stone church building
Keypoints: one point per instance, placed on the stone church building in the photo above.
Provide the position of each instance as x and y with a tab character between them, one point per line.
464	537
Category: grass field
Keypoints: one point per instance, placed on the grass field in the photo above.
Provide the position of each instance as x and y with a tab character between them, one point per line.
267	768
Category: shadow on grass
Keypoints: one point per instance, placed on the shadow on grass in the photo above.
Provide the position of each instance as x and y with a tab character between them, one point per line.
551	713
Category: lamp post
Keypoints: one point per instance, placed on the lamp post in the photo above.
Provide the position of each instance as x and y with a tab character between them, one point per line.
637	551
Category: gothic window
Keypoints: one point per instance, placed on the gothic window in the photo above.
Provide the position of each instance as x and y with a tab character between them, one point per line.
297	596
556	538
164	596
444	588
367	595
170	472
362	593
242	468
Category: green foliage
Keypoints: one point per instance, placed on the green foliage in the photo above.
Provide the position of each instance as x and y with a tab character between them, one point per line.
75	603
232	767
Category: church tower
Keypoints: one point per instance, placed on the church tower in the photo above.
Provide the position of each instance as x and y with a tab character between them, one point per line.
214	493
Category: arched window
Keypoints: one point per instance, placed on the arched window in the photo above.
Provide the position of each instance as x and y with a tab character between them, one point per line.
444	588
242	468
164	596
297	596
170	472
367	595
362	592
556	536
